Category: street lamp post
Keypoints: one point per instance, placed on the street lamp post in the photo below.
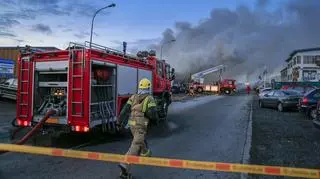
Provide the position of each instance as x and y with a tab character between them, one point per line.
111	5
163	45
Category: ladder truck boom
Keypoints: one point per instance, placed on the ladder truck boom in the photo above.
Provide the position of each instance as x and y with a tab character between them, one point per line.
197	77
226	86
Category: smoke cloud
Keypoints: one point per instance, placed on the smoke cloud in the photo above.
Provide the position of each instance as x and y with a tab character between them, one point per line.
244	39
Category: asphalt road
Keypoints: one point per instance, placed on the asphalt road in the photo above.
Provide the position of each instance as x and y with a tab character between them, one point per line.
211	129
7	114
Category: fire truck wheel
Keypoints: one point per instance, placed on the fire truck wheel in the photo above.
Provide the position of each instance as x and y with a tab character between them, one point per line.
199	90
227	91
165	110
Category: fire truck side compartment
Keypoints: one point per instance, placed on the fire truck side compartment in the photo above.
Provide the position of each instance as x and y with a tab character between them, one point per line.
127	80
103	94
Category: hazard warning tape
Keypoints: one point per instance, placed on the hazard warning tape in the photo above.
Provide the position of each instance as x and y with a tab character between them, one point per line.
165	162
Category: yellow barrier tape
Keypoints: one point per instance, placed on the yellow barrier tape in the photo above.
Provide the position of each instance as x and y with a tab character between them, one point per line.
165	162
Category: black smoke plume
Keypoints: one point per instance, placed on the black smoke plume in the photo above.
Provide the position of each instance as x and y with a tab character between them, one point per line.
245	39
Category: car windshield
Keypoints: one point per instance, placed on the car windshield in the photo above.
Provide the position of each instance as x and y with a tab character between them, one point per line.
264	90
291	93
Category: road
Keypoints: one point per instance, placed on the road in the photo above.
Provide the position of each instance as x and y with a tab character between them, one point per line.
7	113
208	128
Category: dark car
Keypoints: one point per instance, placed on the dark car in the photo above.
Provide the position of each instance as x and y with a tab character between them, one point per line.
308	103
178	88
301	89
280	99
316	120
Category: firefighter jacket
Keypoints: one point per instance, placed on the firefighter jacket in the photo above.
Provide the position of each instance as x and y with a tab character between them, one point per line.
139	109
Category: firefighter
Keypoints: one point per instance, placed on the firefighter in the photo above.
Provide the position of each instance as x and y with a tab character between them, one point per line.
248	89
142	108
191	91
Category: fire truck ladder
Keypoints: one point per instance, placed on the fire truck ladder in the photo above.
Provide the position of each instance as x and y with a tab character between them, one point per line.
77	71
24	86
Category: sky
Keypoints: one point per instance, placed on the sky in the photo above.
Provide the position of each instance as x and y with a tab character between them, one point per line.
246	35
57	22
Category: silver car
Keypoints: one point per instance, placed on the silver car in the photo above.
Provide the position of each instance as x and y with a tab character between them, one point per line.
263	91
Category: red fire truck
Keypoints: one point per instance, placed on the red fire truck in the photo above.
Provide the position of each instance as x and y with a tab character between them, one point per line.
86	87
225	86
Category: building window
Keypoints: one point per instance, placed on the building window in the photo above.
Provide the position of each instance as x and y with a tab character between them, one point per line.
310	59
294	61
299	59
309	75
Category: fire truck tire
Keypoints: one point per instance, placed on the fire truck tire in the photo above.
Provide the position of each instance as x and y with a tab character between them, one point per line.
226	91
199	90
165	110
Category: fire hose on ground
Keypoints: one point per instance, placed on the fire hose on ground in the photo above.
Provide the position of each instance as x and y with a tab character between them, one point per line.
35	129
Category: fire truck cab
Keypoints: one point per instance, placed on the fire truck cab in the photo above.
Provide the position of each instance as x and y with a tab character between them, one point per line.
86	87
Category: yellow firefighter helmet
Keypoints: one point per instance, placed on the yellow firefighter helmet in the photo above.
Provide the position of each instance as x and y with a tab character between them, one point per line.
144	83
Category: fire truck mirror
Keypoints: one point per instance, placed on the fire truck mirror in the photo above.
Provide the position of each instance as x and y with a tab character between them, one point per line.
152	53
124	47
173	74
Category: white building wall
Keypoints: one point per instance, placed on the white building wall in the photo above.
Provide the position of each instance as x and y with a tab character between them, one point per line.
307	72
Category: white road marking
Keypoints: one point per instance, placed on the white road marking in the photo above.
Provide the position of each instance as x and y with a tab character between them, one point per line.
247	146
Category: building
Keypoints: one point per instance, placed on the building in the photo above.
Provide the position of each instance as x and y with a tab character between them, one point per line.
284	75
302	65
12	53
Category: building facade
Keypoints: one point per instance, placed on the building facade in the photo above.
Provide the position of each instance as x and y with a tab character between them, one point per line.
12	53
284	74
302	66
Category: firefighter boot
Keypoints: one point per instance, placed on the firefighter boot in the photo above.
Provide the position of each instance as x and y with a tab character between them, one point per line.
124	174
146	154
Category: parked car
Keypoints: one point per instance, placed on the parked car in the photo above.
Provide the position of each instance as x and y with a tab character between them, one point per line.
301	89
264	91
178	88
308	103
316	120
280	99
8	89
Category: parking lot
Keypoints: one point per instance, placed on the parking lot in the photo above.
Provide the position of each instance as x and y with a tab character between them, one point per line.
284	139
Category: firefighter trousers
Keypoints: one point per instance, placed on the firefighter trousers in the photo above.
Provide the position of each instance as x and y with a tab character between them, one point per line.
139	145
